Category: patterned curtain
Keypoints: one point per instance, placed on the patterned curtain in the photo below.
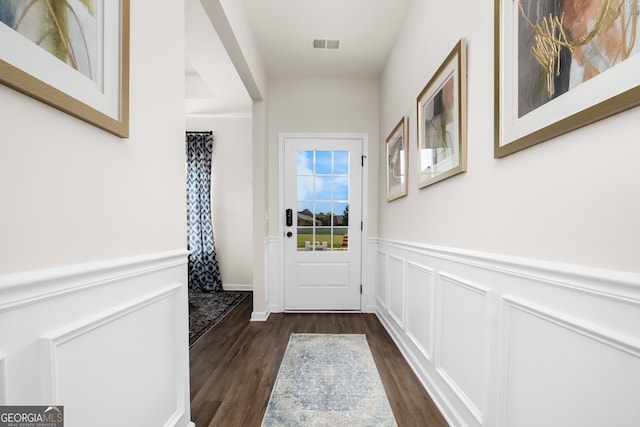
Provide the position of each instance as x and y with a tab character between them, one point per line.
204	272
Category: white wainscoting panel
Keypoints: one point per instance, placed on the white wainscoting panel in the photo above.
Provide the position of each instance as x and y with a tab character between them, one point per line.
109	340
420	308
275	275
513	342
148	356
381	284
369	278
397	287
577	375
274	290
463	330
3	379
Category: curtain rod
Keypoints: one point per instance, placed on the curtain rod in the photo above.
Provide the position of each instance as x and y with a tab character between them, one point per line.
208	132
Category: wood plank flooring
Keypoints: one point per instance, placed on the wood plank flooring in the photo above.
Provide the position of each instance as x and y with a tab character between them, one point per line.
234	366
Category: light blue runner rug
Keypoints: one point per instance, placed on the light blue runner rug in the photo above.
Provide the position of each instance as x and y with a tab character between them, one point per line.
328	380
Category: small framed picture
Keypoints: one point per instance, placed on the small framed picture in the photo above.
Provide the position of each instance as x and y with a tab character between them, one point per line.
397	160
442	121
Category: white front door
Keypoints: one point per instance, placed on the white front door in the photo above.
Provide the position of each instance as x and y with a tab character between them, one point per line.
322	225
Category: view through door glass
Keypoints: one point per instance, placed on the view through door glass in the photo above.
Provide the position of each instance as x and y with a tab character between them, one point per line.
323	200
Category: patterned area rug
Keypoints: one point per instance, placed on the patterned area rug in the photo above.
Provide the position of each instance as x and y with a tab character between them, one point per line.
207	309
328	380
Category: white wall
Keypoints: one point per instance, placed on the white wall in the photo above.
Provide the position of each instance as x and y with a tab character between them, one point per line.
93	246
316	106
322	106
231	25
573	199
512	289
74	193
232	195
259	115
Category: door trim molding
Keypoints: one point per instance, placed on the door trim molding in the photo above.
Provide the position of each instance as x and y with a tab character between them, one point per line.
364	138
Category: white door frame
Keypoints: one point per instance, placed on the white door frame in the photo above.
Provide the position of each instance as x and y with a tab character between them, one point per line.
364	138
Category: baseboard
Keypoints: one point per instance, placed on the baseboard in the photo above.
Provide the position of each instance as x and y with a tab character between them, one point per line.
260	316
428	384
369	309
237	287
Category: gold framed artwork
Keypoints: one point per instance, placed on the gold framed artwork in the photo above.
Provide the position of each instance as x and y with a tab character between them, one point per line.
560	65
442	120
72	55
397	154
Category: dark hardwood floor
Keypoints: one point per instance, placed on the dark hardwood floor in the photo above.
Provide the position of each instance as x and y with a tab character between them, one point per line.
234	367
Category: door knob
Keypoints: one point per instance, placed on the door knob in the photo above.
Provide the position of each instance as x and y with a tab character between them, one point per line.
289	234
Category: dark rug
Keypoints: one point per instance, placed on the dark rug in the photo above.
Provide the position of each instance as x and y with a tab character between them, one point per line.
207	309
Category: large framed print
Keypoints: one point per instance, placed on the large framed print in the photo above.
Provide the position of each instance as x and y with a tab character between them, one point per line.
72	55
442	120
560	65
397	154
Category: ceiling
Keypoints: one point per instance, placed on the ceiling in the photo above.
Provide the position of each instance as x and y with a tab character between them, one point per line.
284	31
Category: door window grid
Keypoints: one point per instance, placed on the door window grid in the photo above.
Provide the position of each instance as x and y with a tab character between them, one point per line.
322	200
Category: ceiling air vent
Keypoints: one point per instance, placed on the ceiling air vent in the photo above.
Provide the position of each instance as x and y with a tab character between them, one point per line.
325	44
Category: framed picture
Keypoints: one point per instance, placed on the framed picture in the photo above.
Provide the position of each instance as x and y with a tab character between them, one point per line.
397	154
442	120
560	65
72	55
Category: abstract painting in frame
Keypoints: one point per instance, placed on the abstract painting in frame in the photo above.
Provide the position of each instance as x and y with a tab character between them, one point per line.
70	54
397	155
560	65
442	123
